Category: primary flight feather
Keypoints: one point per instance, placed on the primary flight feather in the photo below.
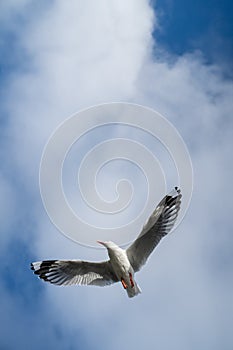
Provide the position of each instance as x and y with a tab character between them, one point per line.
122	264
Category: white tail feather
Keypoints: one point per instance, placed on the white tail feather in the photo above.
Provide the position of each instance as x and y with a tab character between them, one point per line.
132	292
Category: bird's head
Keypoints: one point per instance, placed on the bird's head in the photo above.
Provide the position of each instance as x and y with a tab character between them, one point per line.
108	244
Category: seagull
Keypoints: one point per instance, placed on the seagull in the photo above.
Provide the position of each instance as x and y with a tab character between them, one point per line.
122	264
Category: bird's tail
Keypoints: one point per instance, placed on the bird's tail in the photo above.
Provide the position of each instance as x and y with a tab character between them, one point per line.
132	292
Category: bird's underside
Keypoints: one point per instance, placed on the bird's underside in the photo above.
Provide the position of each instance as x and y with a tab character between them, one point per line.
122	263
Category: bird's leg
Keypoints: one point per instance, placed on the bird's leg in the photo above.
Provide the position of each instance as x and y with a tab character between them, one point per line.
131	279
124	284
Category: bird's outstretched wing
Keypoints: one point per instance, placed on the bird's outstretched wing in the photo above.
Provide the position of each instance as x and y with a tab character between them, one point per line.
68	272
159	224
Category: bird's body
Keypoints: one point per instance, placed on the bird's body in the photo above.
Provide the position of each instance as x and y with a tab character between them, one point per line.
122	264
122	268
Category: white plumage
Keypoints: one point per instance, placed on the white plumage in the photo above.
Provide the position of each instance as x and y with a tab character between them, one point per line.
122	264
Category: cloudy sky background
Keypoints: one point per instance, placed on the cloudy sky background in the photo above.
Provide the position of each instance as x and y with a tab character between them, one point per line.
59	57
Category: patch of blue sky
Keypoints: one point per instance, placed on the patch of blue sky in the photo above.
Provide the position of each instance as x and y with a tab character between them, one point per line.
14	57
207	26
24	310
14	276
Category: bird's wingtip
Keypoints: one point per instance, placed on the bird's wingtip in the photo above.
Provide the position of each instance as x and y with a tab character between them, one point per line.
175	192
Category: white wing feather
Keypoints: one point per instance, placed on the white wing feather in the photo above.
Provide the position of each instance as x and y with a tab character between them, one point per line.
68	272
159	224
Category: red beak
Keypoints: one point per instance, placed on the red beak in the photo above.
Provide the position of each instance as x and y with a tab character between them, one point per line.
100	242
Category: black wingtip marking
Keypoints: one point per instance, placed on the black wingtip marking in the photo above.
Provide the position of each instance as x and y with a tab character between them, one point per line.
177	189
47	263
44	277
43	269
168	199
171	200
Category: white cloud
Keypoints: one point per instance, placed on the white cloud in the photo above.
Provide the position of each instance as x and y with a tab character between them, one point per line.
83	53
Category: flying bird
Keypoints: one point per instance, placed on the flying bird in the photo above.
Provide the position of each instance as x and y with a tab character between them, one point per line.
122	264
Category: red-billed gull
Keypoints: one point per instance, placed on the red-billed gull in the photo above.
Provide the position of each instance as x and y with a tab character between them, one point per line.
122	264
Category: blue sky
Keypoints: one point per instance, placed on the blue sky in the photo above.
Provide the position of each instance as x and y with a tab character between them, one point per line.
208	28
57	58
